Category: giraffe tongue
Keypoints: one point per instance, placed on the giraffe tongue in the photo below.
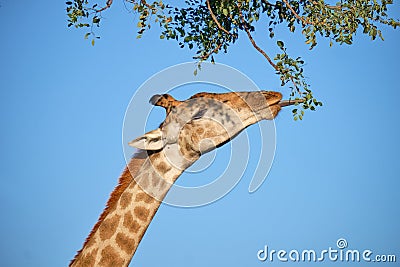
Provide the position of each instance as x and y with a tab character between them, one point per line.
285	103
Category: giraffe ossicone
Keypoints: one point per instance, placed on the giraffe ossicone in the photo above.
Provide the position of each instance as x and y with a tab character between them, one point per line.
191	128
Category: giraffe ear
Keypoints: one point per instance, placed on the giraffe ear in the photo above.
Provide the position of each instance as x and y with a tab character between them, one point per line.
149	141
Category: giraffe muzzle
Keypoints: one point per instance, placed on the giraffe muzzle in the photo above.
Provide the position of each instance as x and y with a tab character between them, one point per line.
285	103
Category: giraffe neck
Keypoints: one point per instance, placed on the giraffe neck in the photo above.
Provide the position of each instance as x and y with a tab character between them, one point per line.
129	211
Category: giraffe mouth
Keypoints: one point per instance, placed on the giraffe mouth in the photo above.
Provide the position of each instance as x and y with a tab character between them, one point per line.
285	103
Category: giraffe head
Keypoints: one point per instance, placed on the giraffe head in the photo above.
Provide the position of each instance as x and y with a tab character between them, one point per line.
191	127
206	121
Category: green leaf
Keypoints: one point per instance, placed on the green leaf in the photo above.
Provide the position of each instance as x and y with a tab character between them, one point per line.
280	44
271	34
348	41
191	25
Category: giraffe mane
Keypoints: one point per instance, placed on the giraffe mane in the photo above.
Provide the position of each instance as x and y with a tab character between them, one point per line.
124	181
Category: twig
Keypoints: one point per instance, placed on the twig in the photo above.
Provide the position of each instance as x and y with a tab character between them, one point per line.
295	13
252	40
205	57
262	51
295	85
330	7
146	4
305	21
108	5
334	7
215	19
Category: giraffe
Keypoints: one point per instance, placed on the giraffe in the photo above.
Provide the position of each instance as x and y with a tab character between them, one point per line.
191	128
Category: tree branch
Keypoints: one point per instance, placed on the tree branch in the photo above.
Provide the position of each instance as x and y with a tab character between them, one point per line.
215	19
295	85
146	4
295	13
339	7
306	21
108	5
206	56
334	7
262	51
330	7
252	40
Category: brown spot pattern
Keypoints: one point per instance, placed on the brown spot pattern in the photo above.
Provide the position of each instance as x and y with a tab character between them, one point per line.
154	181
193	155
155	157
195	138
110	257
125	243
144	197
126	199
108	227
163	167
187	147
131	224
199	131
141	213
210	133
88	260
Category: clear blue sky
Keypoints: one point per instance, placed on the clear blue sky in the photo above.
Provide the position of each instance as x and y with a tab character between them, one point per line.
62	104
